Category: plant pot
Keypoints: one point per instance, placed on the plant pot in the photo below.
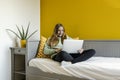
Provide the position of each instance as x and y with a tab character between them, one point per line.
23	43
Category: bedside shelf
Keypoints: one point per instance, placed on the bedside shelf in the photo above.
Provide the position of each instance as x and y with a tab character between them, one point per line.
18	63
20	72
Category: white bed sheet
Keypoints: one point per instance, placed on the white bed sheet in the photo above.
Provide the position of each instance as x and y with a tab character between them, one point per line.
48	65
95	68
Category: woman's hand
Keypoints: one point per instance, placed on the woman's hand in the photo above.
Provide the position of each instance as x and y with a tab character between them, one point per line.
57	50
80	51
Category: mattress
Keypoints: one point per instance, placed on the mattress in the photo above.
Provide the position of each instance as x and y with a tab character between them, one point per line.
95	68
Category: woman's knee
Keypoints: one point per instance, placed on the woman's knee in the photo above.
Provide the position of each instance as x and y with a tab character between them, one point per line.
92	51
63	52
89	52
66	56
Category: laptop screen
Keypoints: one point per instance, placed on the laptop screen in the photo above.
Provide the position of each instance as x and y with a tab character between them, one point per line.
72	46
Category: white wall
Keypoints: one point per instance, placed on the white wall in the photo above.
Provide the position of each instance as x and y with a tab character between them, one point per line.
14	12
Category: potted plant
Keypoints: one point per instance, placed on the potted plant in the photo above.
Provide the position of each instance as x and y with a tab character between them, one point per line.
23	34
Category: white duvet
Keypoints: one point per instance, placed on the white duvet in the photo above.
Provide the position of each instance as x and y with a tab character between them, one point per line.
96	68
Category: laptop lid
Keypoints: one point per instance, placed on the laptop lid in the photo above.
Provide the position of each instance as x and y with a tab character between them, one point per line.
72	46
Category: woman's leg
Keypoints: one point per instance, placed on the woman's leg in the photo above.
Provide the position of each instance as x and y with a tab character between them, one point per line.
84	56
62	56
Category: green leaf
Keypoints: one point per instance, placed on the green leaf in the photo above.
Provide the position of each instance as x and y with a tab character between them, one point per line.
19	32
27	30
23	33
31	34
14	33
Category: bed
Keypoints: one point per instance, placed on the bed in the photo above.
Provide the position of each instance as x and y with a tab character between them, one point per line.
105	65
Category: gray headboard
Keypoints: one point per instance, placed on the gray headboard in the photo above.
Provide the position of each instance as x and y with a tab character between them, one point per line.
32	48
106	48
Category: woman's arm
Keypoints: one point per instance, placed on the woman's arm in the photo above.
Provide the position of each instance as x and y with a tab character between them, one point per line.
47	49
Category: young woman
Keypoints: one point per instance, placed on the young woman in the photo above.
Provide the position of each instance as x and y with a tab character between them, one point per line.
53	47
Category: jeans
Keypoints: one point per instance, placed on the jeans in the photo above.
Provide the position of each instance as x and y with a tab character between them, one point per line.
76	57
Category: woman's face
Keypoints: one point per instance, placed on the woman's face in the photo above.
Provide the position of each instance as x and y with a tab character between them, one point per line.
60	31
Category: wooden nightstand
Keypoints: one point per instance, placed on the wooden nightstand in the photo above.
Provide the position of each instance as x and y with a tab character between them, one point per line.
18	63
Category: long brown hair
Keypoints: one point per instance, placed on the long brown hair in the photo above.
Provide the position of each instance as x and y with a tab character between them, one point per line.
54	38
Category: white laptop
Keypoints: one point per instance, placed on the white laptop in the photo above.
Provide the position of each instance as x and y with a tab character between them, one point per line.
72	46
